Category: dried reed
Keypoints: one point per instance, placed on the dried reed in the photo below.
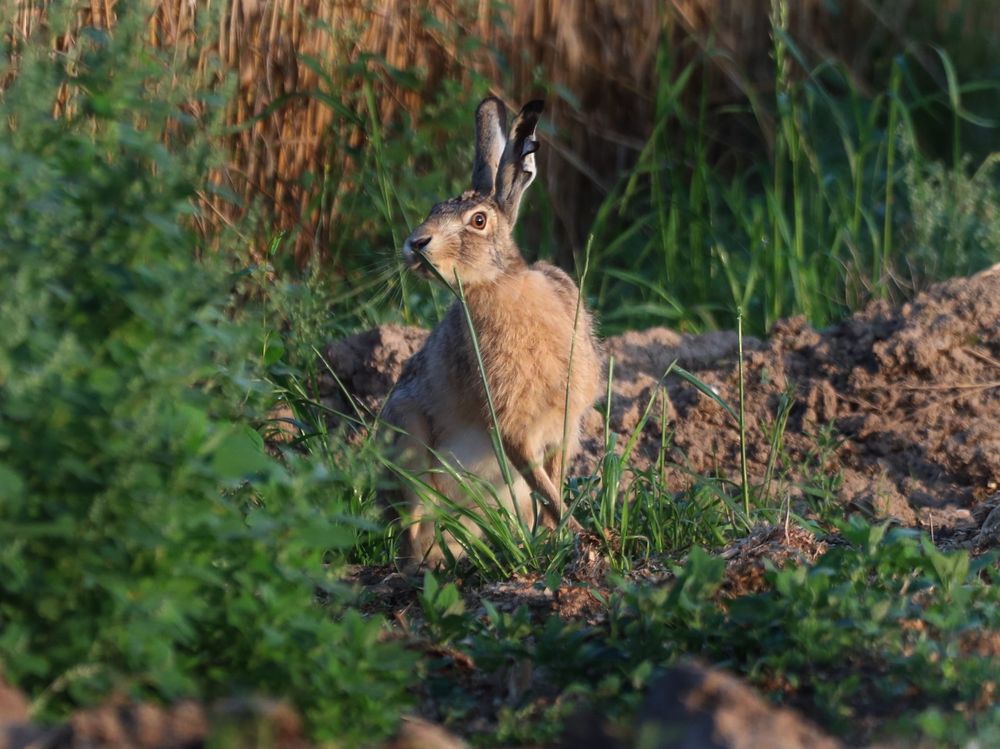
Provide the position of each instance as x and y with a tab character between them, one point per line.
603	52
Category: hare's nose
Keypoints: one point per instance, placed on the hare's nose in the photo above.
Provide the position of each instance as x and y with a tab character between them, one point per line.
419	243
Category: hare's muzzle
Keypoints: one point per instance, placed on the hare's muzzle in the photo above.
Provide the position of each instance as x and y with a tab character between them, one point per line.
413	252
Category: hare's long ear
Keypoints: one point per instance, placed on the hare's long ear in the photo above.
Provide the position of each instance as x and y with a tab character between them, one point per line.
491	122
517	164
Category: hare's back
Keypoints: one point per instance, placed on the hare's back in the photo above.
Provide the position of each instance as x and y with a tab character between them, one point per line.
536	317
526	328
587	368
558	283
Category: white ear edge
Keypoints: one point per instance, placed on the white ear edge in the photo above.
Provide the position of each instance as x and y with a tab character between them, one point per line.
528	167
528	159
501	138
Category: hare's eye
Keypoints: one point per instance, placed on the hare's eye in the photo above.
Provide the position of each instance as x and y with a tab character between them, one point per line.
479	220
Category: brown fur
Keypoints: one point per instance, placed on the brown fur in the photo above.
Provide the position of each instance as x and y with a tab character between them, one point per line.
525	318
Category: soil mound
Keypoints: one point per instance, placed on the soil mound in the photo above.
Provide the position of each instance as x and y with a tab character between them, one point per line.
902	403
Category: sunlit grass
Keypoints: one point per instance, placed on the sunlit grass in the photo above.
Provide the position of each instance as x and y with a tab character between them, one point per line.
831	218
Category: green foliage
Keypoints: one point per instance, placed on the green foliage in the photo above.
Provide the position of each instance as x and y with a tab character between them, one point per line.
878	622
955	218
148	542
891	605
444	610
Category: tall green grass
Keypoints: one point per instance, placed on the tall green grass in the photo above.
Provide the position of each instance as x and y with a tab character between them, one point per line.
839	211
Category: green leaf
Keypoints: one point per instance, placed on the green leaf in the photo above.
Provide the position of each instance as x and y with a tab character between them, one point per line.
240	455
698	580
430	585
553	579
327	536
950	569
11	483
273	351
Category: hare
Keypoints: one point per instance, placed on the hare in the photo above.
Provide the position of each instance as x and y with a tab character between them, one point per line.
527	319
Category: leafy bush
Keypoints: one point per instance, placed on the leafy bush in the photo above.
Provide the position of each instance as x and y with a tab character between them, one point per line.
148	543
955	212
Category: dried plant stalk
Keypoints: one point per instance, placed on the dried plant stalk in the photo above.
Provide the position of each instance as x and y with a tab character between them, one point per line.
603	52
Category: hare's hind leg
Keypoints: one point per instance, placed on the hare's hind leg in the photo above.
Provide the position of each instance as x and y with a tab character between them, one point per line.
555	466
535	467
558	458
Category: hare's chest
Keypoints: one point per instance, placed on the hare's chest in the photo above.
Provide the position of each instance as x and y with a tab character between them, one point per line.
524	337
471	467
469	449
527	361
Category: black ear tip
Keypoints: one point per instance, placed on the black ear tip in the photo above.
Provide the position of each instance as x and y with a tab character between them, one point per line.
535	106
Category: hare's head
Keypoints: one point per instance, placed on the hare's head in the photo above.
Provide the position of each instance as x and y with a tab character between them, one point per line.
471	235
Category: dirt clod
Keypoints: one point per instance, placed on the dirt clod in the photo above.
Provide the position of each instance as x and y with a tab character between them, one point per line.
713	708
124	724
693	706
13	704
417	733
367	365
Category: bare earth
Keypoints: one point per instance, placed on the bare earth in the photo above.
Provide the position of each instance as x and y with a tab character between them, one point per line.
908	396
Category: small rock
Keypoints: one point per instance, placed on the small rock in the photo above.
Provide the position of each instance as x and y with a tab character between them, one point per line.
693	706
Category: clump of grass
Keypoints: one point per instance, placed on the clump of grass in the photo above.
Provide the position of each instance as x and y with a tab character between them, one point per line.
836	214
